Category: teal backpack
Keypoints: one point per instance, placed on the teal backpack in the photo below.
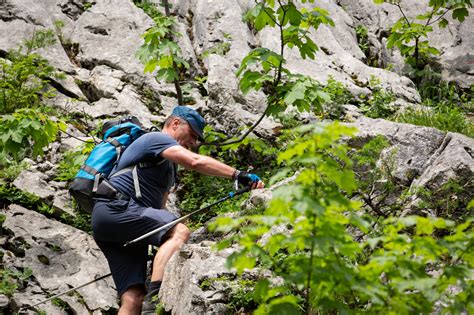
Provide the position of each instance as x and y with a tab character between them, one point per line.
90	181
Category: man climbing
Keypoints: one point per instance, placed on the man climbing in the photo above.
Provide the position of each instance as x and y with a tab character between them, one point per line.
141	206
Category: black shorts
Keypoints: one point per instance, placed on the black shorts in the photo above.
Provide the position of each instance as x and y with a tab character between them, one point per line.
115	222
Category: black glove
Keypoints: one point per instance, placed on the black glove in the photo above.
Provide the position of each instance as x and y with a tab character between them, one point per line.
245	179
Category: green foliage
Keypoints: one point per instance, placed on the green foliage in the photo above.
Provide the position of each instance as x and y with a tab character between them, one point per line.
198	191
382	195
160	51
362	35
25	75
442	117
377	104
242	296
313	206
263	69
221	48
418	268
411	37
434	91
451	200
25	128
403	33
11	280
72	161
339	96
402	265
9	194
11	170
87	5
363	38
241	292
149	8
62	305
26	132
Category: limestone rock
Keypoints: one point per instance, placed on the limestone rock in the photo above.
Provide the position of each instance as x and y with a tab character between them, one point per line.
196	281
35	183
60	257
422	156
454	159
3	303
455	42
52	193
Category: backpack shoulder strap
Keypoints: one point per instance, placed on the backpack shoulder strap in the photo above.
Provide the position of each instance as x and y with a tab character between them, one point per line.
134	169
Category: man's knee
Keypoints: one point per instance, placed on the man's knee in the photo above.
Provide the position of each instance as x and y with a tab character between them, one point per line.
181	232
132	298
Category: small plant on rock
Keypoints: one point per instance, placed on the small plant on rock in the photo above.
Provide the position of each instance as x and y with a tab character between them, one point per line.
411	36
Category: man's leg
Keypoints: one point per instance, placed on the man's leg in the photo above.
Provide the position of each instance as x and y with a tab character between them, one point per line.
131	301
177	237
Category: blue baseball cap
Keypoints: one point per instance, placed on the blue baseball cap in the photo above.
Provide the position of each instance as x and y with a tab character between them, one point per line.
192	117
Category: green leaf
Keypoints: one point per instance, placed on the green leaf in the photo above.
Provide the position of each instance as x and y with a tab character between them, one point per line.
460	14
241	262
261	290
266	17
293	15
297	92
151	65
285	305
443	23
470	205
167	74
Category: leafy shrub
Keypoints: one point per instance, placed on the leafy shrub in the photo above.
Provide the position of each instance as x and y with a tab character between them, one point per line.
25	75
220	49
11	280
25	128
11	195
442	117
377	105
339	95
25	133
410	36
72	161
11	170
159	50
401	266
362	38
450	201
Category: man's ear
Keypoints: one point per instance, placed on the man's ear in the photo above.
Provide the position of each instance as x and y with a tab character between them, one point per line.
175	124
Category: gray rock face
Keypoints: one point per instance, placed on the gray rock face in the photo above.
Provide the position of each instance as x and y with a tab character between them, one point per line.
455	42
423	156
52	193
60	257
196	281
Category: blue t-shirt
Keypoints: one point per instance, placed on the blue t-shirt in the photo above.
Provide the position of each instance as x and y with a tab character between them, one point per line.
154	181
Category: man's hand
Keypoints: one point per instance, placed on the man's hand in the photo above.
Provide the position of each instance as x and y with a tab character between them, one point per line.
248	179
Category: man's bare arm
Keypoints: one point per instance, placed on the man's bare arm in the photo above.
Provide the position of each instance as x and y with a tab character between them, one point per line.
201	163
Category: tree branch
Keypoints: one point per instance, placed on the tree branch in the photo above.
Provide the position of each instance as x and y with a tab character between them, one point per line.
179	93
403	13
441	16
270	16
431	15
242	137
72	136
275	83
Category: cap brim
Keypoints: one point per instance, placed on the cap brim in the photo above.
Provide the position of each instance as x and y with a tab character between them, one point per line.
197	131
